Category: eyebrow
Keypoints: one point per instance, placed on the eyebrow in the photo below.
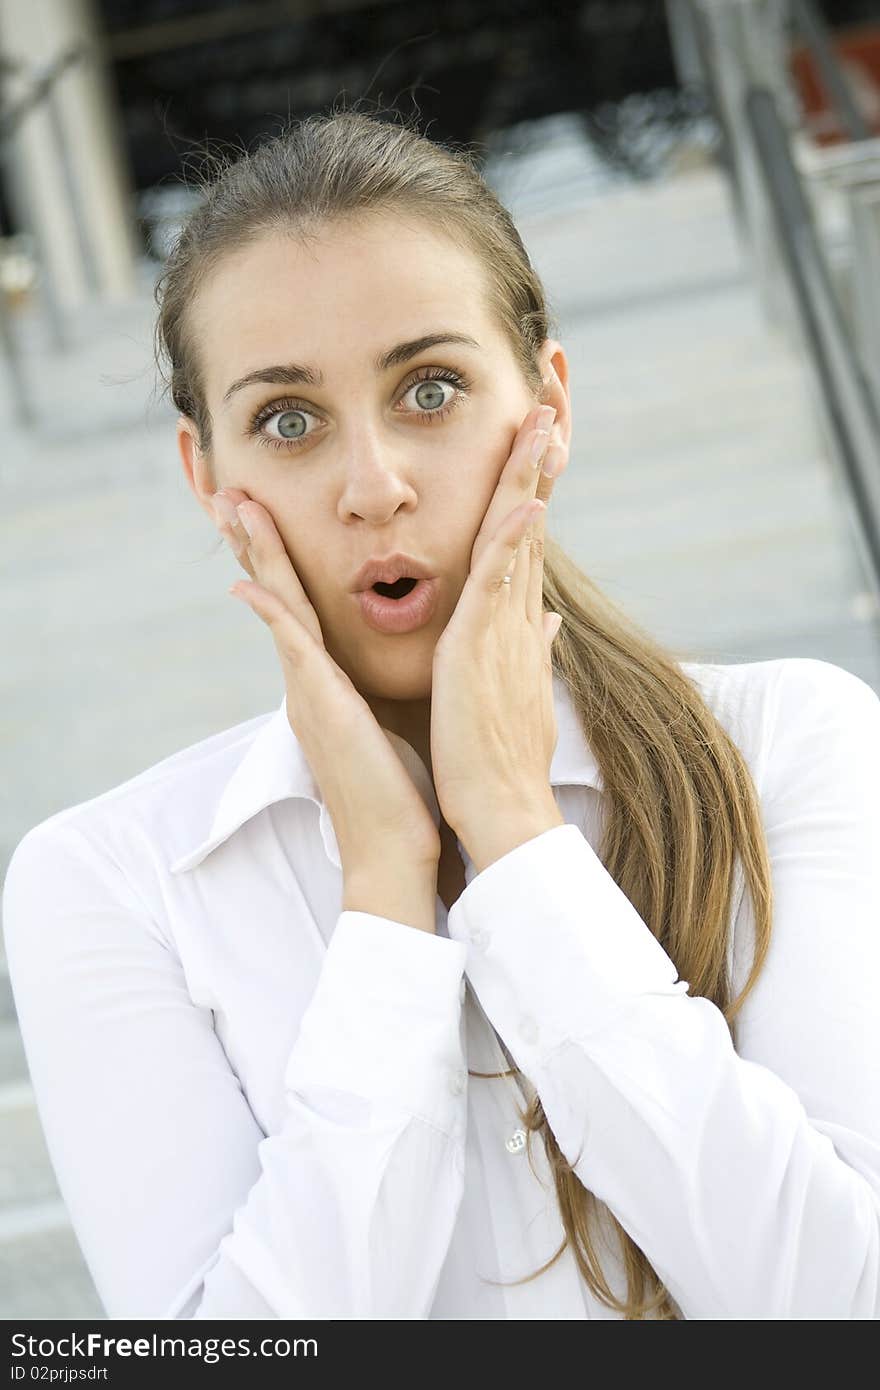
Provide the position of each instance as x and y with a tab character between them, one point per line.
293	374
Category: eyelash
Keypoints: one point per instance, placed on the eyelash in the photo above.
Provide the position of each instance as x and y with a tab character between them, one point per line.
455	379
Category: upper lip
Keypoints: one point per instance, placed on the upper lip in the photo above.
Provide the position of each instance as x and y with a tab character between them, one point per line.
385	571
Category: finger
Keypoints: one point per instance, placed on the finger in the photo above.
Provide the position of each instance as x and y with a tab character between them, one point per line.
553	464
272	565
228	524
292	641
519	572
533	572
519	476
552	622
510	553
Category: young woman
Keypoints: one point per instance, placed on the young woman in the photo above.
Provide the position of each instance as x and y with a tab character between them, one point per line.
501	971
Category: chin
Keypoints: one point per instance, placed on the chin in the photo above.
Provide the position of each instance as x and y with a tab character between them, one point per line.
391	676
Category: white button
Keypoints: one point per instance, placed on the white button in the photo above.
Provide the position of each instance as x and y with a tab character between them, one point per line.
517	1142
457	1081
479	939
528	1030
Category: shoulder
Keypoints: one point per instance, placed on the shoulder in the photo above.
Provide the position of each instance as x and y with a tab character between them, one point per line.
140	823
808	688
792	714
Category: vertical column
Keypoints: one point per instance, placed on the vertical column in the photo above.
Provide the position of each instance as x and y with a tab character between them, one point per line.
67	156
681	22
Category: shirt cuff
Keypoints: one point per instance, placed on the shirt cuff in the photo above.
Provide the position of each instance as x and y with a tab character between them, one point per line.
385	1019
555	949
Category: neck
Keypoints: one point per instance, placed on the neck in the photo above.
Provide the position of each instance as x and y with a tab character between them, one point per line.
410	720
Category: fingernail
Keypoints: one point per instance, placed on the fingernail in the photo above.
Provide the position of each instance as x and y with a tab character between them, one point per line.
546	416
537	447
242	516
224	508
554	462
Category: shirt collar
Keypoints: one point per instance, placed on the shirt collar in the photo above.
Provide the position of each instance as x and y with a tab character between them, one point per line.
274	768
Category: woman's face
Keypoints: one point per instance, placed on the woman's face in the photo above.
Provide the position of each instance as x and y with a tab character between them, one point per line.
354	457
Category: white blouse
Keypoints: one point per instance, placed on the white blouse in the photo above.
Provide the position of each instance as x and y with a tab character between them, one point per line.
258	1105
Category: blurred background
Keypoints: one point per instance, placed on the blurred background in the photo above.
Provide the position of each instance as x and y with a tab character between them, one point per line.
697	182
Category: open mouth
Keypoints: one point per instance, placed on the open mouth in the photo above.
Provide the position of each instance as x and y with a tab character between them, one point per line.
399	589
403	606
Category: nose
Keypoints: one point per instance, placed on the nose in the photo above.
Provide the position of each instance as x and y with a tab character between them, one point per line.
377	483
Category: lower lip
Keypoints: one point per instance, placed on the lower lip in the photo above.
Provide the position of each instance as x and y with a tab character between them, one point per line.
399	614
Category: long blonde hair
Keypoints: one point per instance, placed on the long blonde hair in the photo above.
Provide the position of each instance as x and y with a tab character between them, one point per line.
680	806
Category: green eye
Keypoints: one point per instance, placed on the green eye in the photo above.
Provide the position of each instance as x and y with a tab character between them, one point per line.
433	405
429	394
289	431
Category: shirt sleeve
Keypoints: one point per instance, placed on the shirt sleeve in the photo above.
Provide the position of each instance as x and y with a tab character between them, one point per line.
750	1177
182	1207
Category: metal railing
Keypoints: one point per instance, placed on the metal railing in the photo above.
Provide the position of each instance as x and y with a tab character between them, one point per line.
743	50
849	403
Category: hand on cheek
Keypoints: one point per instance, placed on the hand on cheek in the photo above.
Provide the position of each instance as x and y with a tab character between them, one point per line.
493	726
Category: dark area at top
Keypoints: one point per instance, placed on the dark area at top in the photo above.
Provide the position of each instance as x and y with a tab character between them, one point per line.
467	69
192	75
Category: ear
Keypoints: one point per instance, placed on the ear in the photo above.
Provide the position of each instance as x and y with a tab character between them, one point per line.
196	465
554	371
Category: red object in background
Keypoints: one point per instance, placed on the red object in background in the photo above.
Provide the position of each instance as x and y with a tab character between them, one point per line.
858	52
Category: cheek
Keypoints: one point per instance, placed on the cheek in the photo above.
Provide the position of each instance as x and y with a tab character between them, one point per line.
458	503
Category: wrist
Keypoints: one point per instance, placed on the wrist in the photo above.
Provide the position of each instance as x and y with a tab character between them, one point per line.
499	832
406	893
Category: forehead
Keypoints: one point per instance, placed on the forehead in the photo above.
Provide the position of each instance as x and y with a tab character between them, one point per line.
339	299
